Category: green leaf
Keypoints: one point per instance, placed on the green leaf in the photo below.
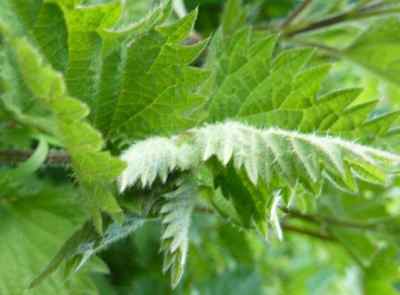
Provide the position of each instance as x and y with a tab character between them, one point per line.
34	227
249	84
133	12
94	168
18	15
129	27
235	89
358	243
50	28
85	47
306	86
250	202
158	76
328	109
176	218
233	16
383	274
86	242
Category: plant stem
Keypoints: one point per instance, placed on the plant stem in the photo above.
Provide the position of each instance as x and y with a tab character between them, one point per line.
295	13
317	219
307	232
12	157
350	15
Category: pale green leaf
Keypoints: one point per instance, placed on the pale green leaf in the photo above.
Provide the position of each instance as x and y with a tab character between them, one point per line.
261	152
176	218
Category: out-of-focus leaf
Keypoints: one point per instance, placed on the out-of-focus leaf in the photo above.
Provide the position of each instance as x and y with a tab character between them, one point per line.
383	276
377	47
34	227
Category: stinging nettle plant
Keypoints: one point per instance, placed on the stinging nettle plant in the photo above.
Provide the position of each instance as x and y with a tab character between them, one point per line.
150	124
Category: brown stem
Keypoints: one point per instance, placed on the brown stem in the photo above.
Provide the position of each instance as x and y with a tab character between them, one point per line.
307	232
295	13
13	157
350	15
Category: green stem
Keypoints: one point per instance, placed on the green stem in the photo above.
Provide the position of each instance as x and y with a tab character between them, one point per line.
318	219
307	232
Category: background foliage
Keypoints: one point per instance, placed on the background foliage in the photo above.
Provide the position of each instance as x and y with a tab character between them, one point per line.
242	146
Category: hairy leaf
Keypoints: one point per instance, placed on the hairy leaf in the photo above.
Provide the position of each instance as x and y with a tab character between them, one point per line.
176	218
264	154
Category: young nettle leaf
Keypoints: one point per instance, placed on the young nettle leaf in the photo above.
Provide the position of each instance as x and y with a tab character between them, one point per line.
264	154
176	215
255	164
272	158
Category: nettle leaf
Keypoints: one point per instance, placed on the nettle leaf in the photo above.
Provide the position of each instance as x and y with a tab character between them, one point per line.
85	46
138	16
250	83
175	212
247	82
50	28
95	169
84	243
176	215
264	154
34	226
255	163
250	203
133	72
158	86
